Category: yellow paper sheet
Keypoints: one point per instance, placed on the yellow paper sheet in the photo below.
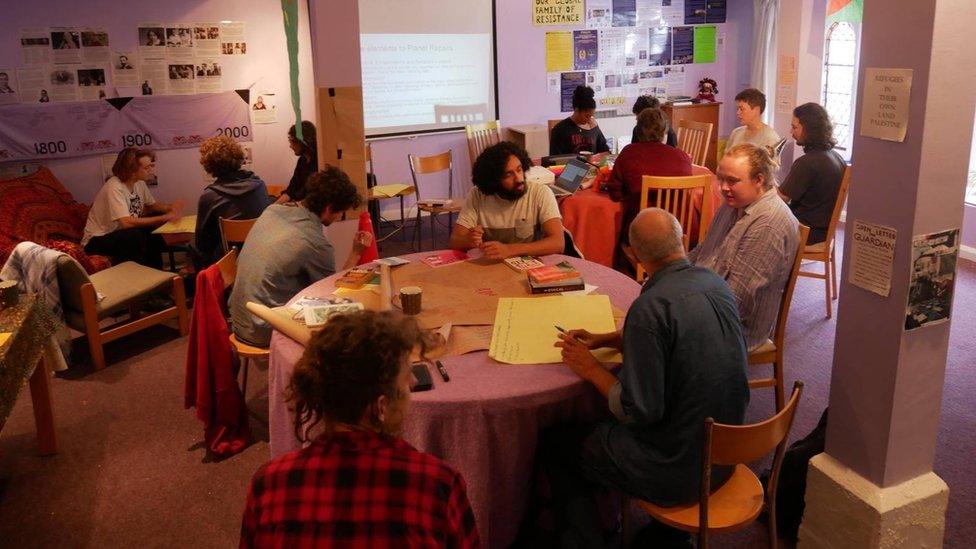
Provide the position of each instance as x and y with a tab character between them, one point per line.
559	51
524	330
4	336
185	224
389	191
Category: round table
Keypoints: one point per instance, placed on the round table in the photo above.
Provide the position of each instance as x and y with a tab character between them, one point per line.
486	420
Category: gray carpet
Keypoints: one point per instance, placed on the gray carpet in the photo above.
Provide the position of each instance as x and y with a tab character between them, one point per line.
132	471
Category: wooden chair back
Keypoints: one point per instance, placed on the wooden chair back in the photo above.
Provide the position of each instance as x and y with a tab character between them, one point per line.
735	444
426	165
228	267
779	332
481	136
675	195
845	183
234	230
276	190
552	124
693	138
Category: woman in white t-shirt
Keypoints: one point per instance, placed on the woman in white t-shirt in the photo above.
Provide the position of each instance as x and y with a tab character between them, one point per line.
124	213
749	106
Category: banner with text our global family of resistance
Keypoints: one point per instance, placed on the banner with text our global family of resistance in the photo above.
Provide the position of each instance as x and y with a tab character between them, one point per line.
63	130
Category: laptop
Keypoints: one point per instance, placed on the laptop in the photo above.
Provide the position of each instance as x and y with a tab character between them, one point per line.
570	180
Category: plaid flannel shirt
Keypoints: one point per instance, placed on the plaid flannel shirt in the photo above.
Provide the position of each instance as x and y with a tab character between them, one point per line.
358	489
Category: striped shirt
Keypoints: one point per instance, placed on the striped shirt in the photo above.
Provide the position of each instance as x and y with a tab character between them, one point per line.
753	250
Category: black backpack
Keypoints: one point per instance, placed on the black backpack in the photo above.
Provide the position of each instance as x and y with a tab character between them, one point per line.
793	479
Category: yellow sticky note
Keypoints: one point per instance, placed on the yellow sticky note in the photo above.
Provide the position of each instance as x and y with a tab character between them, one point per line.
525	327
4	336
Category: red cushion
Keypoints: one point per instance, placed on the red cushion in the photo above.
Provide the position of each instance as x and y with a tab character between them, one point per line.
38	208
91	263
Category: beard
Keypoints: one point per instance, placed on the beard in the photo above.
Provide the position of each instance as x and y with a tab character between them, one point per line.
513	194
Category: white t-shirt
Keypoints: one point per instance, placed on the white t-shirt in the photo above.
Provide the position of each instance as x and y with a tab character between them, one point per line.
508	221
766	138
113	202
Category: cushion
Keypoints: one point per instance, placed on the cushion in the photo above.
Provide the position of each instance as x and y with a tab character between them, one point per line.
71	276
764	348
91	263
122	283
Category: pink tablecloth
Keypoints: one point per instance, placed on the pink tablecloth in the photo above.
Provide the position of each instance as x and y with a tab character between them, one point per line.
594	220
485	421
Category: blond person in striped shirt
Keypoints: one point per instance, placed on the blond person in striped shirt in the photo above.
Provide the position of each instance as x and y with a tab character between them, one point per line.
752	239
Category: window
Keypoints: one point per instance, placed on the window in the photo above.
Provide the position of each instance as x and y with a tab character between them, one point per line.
971	176
840	81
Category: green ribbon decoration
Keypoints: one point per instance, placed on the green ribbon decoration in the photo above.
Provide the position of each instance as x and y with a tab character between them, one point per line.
289	12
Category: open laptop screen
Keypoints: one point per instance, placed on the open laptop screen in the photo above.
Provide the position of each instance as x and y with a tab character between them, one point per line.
572	176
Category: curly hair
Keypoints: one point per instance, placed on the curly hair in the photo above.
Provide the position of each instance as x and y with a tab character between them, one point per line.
309	143
127	163
489	167
752	97
583	98
653	125
818	131
348	365
759	160
331	187
645	102
221	155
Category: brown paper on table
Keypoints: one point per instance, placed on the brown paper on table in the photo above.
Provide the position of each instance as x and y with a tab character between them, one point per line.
183	225
462	340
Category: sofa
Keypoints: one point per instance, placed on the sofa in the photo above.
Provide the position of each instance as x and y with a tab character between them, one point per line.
37	207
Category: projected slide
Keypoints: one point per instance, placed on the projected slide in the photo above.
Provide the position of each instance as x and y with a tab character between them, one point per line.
415	82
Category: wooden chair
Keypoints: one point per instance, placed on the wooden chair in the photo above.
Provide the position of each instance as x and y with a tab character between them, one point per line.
675	195
428	165
826	251
480	137
234	230
378	217
89	299
228	273
772	352
693	138
552	124
276	190
739	501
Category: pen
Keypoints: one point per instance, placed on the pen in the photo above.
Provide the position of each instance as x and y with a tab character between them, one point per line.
563	331
442	370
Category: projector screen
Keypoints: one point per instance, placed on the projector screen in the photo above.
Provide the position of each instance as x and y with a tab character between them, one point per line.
427	65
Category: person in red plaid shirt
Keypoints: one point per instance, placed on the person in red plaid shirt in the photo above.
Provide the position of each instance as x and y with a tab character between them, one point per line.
357	484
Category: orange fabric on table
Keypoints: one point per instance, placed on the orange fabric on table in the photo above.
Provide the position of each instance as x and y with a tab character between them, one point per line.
594	220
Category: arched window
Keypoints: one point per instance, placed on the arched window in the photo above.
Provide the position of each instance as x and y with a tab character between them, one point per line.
840	81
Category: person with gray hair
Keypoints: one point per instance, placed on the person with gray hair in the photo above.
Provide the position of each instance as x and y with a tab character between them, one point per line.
752	240
684	359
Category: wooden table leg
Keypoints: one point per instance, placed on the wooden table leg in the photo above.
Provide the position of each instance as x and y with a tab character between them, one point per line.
40	388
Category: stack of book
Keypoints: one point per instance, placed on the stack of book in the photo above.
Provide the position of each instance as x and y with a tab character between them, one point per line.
524	263
551	279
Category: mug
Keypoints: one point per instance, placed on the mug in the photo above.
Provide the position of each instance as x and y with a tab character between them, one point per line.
9	294
410	297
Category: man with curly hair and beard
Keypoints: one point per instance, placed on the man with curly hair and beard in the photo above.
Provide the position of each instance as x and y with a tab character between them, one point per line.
505	215
287	251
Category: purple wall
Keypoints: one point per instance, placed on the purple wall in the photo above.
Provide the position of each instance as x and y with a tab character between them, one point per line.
523	98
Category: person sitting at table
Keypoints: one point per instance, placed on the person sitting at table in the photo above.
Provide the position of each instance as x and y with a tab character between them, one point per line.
684	359
124	214
578	132
306	150
749	106
234	194
752	240
646	156
814	180
648	102
287	251
357	483
505	215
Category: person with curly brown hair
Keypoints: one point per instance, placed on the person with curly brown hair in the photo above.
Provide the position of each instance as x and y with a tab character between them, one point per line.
234	194
357	483
287	251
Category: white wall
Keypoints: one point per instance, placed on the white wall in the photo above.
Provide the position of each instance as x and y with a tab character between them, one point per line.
265	66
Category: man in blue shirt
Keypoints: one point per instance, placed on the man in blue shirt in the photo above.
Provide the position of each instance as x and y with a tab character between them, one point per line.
684	360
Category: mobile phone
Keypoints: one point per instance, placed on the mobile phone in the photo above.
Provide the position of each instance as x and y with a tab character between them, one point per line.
424	381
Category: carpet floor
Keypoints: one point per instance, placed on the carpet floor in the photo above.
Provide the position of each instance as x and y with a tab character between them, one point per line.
132	469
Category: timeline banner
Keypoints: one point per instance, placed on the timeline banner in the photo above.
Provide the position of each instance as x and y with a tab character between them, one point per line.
64	130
